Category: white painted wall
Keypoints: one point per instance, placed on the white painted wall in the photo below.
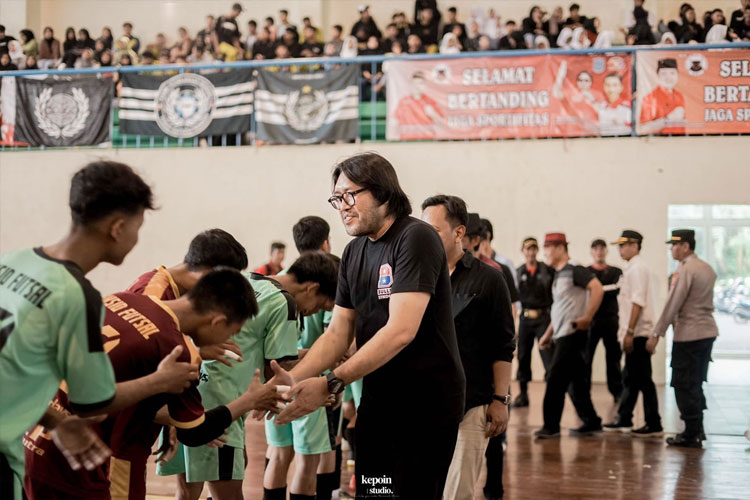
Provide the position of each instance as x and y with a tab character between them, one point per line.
153	16
588	188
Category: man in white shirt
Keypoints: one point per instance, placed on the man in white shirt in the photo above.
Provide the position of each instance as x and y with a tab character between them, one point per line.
636	312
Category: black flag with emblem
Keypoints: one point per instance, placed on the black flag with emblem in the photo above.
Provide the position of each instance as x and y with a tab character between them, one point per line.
186	105
67	111
307	108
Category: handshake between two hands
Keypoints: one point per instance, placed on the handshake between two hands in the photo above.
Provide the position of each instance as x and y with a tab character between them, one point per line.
286	398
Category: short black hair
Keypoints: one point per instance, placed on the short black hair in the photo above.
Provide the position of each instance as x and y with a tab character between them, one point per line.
270	20
226	291
338	27
252	22
511	22
376	174
598	243
103	187
277	245
213	248
127	25
574	6
485	233
284	11
452	9
310	233
2	28
455	208
488	227
317	267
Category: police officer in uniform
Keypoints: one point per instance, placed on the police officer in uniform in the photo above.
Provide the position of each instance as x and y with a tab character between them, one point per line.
689	309
535	291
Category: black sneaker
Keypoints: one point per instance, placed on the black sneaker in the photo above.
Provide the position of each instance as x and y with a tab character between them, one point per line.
586	429
684	441
648	431
618	426
521	401
545	433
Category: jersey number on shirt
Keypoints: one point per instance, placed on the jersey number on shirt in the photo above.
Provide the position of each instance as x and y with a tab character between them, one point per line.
6	326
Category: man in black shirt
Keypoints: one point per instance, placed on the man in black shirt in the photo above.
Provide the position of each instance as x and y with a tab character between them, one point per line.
535	290
367	24
514	39
485	332
426	27
605	323
4	40
451	22
394	294
226	26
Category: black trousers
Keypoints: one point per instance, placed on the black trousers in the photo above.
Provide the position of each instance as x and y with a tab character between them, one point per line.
605	328
528	330
402	462
689	371
568	372
637	378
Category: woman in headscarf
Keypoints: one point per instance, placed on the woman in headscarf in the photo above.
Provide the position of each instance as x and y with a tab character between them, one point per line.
450	44
349	48
16	53
580	40
6	64
667	38
541	42
687	30
717	34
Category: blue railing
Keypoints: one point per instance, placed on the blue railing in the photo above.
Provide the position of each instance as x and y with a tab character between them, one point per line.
373	60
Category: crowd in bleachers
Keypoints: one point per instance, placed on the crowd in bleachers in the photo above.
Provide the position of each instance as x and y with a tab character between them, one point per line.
428	31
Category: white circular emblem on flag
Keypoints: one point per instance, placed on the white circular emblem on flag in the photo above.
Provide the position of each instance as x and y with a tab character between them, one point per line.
185	105
306	110
61	115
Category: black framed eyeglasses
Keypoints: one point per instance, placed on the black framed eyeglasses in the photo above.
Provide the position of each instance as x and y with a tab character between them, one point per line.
347	197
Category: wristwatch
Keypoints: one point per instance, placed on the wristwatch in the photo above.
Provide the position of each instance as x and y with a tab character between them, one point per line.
335	384
503	399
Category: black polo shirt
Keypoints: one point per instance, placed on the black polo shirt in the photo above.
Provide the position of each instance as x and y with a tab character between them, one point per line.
610	275
535	290
484	325
426	377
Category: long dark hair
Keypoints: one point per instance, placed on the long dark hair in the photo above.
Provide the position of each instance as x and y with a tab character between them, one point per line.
377	175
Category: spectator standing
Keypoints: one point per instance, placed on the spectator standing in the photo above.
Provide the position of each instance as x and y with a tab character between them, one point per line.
204	38
492	25
6	39
275	264
741	31
184	43
370	81
420	5
687	29
49	49
605	323
471	42
737	20
134	43
29	43
451	22
365	27
533	26
336	40
402	25
630	16
107	38
575	18
227	28
641	33
553	25
426	28
513	40
689	309
284	23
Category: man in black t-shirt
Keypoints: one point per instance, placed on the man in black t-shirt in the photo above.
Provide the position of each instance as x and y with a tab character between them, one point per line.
394	294
226	26
605	323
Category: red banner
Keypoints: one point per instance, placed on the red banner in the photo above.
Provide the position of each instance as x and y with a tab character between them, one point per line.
509	97
693	92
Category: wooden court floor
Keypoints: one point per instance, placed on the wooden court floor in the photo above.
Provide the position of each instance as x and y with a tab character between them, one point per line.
601	467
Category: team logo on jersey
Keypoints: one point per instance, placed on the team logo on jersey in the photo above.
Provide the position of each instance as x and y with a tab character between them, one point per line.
696	64
385	281
185	104
61	115
306	109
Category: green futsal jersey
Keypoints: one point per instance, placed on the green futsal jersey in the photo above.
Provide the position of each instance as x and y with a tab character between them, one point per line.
271	334
50	331
313	327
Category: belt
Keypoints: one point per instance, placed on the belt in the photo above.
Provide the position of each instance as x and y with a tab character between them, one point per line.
533	313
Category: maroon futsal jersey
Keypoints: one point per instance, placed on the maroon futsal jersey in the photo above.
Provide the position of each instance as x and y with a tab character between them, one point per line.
138	332
157	283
